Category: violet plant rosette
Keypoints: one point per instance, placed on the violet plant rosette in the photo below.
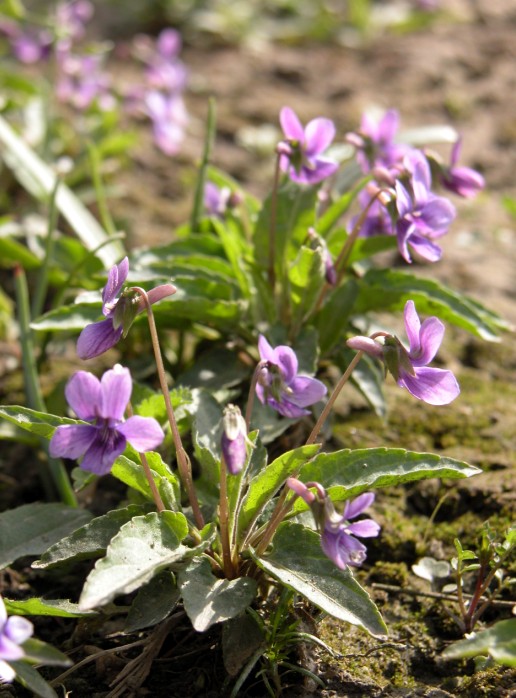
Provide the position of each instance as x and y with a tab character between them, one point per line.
338	535
301	151
103	404
14	631
435	386
279	384
97	337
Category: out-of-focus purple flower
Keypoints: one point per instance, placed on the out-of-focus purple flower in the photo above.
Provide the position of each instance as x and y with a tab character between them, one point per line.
165	71
120	312
422	216
279	384
169	119
102	403
32	46
216	199
337	533
410	369
13	632
82	81
234	439
301	151
71	18
463	181
377	220
375	142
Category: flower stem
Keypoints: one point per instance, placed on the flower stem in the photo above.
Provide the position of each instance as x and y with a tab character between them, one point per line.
148	474
57	471
206	156
324	414
224	523
251	396
183	462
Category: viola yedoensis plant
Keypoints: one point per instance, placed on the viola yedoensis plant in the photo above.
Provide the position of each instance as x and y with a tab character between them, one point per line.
269	301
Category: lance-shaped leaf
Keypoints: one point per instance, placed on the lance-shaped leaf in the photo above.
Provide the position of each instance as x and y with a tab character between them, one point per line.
90	540
39	423
306	278
32	679
32	528
143	547
43	653
59	608
209	600
348	473
390	290
499	642
298	562
153	603
265	485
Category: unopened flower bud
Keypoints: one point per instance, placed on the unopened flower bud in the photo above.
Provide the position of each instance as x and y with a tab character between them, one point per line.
233	440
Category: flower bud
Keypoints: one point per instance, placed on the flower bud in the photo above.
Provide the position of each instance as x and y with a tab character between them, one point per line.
233	440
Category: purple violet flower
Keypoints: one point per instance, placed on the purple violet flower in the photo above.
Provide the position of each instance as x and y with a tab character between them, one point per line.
216	199
375	142
337	533
102	403
13	632
422	216
234	439
436	386
279	384
71	18
301	151
463	181
169	118
98	337
32	46
82	80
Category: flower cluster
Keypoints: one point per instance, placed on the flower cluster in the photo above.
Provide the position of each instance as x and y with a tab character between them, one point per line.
103	404
411	211
338	539
436	386
14	631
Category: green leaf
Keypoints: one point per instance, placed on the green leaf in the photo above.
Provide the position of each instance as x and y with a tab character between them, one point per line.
143	547
306	277
39	180
354	471
236	249
67	318
331	320
332	215
38	423
90	540
32	679
59	608
368	377
214	370
387	289
265	485
295	213
209	600
43	653
32	528
153	603
132	474
12	252
206	435
348	473
298	562
499	642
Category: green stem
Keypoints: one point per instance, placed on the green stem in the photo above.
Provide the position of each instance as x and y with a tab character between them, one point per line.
251	396
42	280
183	462
224	523
206	157
100	192
57	471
